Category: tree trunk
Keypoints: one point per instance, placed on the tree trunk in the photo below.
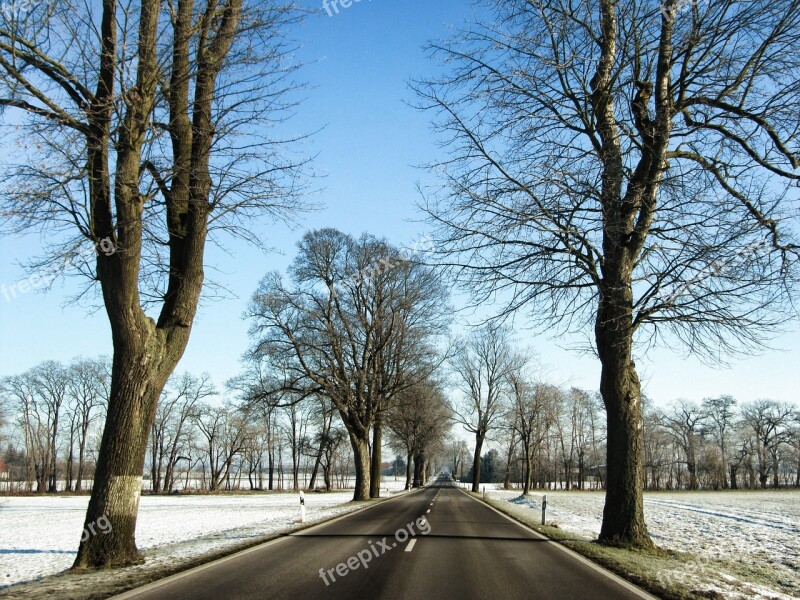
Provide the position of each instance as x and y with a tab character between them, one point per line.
375	467
312	483
527	485
135	389
271	467
623	514
692	468
409	458
509	463
53	481
419	469
81	456
362	466
476	463
70	466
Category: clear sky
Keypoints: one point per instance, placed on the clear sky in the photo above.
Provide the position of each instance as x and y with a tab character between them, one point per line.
360	61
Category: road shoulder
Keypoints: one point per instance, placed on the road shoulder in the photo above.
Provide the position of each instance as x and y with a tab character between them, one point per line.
653	571
102	584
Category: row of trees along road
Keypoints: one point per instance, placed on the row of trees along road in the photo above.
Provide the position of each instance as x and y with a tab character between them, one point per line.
546	436
628	169
620	165
419	421
54	415
53	406
720	444
357	323
143	122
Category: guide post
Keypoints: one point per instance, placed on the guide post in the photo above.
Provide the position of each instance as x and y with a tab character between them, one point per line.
302	507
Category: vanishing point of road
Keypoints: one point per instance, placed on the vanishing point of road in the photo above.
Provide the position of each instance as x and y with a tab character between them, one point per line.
437	542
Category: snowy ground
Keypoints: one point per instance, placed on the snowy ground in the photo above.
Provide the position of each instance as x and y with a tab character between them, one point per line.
759	529
39	535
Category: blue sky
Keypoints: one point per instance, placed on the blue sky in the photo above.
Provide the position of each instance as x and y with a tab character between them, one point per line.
360	62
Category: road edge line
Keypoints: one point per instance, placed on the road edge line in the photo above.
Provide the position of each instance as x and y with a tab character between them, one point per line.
631	587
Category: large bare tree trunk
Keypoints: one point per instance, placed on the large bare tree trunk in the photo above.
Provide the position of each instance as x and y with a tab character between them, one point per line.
362	467
375	465
528	464
146	352
476	463
135	390
419	469
623	514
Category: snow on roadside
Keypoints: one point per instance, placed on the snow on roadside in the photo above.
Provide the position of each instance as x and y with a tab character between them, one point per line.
39	535
761	529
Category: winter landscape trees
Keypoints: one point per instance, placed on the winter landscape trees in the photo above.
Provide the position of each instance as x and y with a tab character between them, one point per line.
135	107
358	325
627	169
622	170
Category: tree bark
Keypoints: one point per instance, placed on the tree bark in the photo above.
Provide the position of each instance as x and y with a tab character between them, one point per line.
375	467
527	485
476	463
135	389
362	466
419	469
623	514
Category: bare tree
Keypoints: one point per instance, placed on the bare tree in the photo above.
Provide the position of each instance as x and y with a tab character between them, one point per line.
685	423
768	421
534	407
624	168
419	419
34	421
147	128
168	435
358	326
324	416
459	453
481	366
50	382
721	412
88	389
223	435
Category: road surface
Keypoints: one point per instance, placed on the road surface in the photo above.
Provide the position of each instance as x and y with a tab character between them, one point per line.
436	543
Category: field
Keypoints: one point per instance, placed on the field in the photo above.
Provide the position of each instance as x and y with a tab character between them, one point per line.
744	544
39	535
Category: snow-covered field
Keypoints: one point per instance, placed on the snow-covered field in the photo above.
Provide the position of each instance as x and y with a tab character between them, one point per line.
761	529
39	535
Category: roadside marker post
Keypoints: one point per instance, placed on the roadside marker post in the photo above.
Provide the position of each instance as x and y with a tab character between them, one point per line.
544	508
302	507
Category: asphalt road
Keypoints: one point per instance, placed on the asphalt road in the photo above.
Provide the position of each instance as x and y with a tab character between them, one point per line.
457	547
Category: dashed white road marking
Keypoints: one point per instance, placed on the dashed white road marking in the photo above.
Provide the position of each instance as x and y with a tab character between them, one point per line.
410	546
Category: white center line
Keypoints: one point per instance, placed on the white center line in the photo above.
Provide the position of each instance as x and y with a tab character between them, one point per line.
410	546
429	510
